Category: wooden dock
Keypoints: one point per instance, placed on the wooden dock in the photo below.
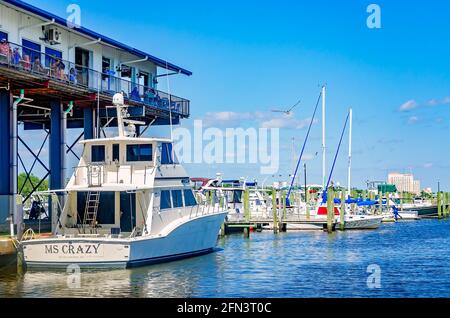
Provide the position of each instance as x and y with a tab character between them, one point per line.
283	225
7	246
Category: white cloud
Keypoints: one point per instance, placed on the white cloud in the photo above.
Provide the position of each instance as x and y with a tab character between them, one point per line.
433	102
413	120
409	105
309	156
428	165
288	122
263	119
437	102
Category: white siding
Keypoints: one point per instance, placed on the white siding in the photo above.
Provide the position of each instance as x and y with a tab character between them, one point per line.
11	21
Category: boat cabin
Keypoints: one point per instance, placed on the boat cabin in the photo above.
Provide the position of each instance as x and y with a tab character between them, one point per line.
119	183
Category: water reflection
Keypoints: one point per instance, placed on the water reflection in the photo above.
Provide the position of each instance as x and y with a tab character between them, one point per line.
413	257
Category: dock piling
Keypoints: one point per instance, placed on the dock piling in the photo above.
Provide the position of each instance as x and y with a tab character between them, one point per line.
275	211
446	207
330	210
342	214
283	216
439	204
247	205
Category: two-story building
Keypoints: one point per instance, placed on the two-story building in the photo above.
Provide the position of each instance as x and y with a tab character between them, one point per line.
55	75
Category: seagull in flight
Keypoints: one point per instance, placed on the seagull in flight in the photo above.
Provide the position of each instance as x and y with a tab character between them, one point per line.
289	111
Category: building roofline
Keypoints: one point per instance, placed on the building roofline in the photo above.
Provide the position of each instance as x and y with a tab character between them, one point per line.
87	32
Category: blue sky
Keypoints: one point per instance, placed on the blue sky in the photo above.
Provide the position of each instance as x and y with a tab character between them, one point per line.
253	56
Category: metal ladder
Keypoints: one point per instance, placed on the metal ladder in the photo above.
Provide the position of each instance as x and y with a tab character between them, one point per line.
90	212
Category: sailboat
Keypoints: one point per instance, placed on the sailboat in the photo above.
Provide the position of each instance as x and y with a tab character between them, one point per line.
352	219
128	203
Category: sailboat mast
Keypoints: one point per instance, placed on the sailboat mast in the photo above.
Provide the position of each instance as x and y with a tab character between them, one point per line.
323	139
350	152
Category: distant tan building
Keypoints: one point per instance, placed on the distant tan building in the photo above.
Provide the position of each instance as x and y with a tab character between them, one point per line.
416	187
404	182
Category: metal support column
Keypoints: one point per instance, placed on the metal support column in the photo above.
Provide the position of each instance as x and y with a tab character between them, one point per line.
88	123
6	191
58	124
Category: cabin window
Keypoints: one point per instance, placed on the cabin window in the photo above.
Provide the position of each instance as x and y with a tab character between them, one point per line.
31	49
165	202
51	56
189	198
167	154
177	199
98	153
3	36
116	152
141	152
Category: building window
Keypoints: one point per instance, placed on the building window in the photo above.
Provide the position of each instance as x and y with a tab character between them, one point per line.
3	36
125	71
141	152
98	153
144	78
51	56
165	200
31	49
167	154
116	152
177	199
189	198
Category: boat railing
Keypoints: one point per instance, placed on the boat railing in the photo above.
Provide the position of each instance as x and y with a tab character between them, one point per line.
52	67
205	208
97	174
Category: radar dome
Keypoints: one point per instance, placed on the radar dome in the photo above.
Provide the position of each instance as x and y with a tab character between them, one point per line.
118	99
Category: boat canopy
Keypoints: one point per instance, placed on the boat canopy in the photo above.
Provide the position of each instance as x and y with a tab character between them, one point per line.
387	188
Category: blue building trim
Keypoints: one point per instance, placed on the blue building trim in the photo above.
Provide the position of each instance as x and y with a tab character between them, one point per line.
58	20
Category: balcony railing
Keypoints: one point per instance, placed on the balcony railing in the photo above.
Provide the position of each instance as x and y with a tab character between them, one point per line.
48	66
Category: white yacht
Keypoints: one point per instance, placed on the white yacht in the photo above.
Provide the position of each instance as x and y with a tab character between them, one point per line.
128	203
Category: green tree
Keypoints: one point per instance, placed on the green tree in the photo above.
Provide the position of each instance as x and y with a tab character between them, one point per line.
32	181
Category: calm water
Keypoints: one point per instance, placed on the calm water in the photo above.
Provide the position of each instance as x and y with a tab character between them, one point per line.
413	257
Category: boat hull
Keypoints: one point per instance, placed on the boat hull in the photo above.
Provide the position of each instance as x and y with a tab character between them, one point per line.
192	238
362	222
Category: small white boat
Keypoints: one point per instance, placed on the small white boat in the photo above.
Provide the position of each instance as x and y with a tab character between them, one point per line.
362	222
408	215
128	203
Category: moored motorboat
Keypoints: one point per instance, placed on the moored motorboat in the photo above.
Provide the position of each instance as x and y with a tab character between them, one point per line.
128	203
362	222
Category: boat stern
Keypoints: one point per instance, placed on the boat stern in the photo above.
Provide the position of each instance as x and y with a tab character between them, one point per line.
63	252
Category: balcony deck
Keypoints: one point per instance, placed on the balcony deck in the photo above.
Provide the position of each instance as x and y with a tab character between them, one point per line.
66	81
